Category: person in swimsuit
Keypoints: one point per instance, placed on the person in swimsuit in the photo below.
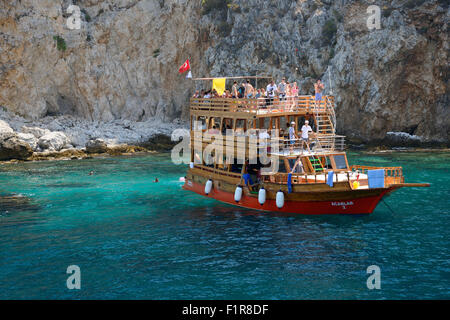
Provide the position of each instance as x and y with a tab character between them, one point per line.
294	92
318	87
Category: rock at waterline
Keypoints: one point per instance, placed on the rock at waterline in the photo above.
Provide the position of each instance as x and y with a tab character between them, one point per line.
96	146
54	141
11	147
159	142
30	139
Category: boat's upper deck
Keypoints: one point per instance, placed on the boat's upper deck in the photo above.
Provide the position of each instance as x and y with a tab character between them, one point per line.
262	107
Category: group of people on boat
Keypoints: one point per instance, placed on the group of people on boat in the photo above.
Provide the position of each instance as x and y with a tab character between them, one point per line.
290	135
286	92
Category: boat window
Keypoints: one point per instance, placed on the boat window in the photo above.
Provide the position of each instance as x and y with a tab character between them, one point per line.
240	127
214	122
281	166
227	124
340	161
264	123
209	160
236	168
240	124
201	123
327	164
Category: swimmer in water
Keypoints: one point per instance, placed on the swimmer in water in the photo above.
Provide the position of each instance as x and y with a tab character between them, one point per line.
91	173
156	180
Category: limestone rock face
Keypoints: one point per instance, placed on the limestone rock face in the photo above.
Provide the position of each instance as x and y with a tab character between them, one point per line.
54	141
121	65
96	146
30	139
5	128
35	131
11	147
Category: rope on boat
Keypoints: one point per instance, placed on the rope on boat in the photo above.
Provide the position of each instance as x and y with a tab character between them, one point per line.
392	211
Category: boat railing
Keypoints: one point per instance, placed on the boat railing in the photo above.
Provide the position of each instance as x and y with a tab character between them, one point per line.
250	145
307	178
265	105
392	175
331	142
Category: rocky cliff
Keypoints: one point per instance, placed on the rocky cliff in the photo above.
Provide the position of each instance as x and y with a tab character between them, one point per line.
122	63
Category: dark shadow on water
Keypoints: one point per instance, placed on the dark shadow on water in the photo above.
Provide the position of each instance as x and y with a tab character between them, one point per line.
69	185
12	203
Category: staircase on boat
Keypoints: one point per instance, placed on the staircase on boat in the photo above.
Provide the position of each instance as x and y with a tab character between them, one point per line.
326	126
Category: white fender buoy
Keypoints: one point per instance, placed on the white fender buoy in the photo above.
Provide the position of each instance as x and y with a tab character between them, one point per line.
280	199
262	196
208	186
238	194
191	165
182	179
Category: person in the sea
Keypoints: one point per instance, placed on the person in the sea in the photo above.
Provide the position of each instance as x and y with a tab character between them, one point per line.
156	180
306	129
91	173
318	88
292	136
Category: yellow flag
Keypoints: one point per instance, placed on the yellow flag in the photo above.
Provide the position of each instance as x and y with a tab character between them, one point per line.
219	85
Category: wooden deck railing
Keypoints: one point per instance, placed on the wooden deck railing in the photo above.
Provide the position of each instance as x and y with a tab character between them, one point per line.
262	106
249	146
392	175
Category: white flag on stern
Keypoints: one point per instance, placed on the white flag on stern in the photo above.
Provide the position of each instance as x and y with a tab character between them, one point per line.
189	75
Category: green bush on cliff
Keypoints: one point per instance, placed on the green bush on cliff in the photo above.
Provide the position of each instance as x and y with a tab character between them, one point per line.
329	30
87	17
224	28
210	5
413	3
60	43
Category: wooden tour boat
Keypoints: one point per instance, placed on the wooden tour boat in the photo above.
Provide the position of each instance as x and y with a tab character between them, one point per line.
309	178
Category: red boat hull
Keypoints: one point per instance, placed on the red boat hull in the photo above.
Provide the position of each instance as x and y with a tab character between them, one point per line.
361	205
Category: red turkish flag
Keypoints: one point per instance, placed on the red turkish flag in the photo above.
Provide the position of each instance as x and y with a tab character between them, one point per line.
185	67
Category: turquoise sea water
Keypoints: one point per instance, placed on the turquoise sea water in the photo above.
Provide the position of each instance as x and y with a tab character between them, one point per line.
135	239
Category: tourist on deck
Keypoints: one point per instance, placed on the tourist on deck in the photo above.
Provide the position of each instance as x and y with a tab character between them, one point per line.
196	94
292	136
306	129
271	91
298	166
214	94
249	89
241	91
234	90
264	139
282	89
294	93
288	96
318	88
213	130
